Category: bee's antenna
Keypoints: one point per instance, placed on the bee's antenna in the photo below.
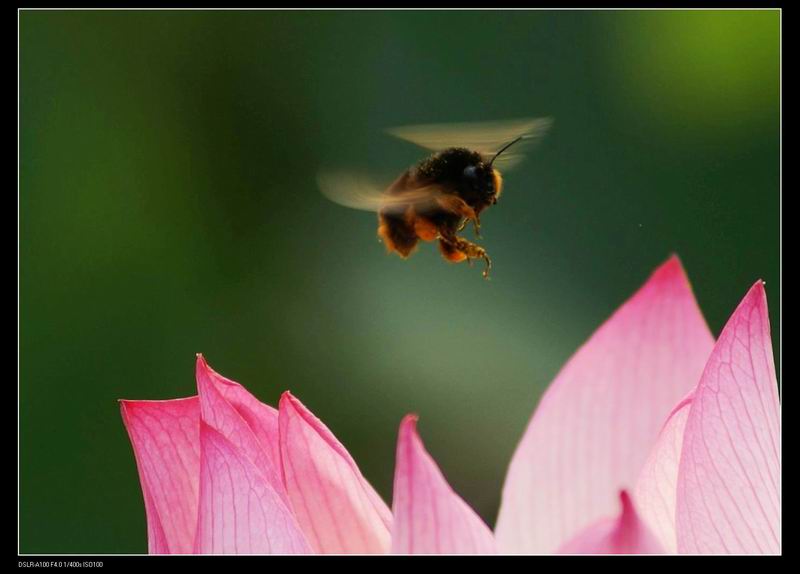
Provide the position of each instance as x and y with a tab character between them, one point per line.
505	147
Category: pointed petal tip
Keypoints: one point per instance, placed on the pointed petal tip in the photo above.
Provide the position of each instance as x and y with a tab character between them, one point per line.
201	363
408	436
291	402
125	406
625	534
673	259
755	298
429	516
670	277
671	270
292	407
409	423
628	511
759	289
202	373
205	373
288	400
202	370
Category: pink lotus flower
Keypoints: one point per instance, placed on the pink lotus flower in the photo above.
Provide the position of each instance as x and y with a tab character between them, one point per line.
652	439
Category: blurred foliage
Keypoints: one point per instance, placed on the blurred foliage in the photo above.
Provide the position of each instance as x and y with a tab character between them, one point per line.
168	207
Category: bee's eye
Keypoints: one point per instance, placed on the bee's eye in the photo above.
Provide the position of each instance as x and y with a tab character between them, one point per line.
470	172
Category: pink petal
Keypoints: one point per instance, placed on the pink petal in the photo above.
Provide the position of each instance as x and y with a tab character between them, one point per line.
166	444
728	497
262	419
336	507
241	418
429	517
239	511
626	534
655	492
595	425
157	542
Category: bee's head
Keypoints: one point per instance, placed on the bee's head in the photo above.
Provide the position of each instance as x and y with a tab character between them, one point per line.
486	179
483	183
466	172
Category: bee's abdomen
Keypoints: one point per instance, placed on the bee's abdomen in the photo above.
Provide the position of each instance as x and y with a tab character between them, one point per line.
397	233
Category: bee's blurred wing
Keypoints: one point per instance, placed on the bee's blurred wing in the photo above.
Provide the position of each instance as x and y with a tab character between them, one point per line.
358	192
484	137
351	190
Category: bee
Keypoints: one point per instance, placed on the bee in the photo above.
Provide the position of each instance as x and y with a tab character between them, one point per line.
435	199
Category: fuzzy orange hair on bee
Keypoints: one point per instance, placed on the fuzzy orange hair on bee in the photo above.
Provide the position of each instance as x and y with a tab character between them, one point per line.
436	198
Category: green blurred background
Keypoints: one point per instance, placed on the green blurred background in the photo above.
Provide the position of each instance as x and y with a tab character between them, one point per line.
168	206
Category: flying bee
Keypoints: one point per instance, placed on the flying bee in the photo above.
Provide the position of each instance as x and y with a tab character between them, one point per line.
435	199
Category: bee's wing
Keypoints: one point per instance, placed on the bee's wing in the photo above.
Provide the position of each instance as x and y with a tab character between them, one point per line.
484	137
358	192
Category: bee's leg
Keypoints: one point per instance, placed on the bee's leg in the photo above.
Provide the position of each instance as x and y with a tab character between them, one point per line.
477	225
450	251
455	204
457	249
